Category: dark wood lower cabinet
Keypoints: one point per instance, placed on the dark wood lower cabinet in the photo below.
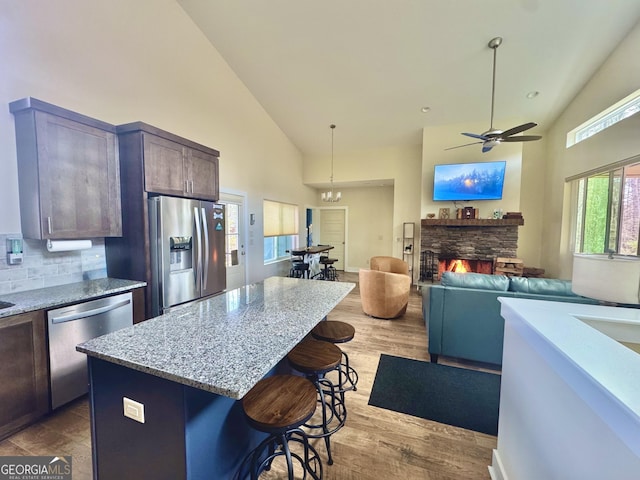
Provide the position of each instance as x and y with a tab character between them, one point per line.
24	376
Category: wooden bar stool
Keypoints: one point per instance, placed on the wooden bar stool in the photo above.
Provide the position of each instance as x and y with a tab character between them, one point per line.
300	270
329	271
315	359
339	332
278	405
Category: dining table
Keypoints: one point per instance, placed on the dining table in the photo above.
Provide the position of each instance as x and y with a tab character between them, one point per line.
311	256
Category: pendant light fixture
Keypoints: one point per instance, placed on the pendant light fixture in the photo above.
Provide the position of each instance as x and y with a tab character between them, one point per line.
329	196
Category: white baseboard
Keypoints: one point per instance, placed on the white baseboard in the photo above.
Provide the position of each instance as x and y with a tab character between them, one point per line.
496	469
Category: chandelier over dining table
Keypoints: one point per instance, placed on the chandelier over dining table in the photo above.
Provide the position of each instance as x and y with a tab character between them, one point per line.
330	196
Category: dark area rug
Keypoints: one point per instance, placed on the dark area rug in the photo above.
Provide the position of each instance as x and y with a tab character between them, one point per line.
456	396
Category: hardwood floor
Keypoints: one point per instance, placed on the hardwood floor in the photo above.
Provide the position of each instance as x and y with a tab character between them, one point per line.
374	444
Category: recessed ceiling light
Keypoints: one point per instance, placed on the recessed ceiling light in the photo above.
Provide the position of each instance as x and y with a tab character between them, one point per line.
425	109
533	94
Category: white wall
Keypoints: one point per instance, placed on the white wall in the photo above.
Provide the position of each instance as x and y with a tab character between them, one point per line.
122	61
434	142
616	78
369	224
536	171
524	180
399	166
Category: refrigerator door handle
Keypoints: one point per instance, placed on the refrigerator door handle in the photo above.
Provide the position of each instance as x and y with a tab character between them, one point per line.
205	252
198	269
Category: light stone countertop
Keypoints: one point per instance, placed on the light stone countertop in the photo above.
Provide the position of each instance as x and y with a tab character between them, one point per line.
49	297
584	344
224	344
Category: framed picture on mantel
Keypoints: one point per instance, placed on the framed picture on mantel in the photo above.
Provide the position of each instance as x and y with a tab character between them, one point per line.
444	213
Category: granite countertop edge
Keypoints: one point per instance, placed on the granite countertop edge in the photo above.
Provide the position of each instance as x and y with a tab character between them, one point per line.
56	296
161	373
239	336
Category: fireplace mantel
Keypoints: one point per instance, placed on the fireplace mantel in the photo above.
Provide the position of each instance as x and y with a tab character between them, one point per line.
471	222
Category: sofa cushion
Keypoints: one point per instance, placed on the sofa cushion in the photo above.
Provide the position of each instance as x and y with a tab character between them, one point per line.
480	281
541	286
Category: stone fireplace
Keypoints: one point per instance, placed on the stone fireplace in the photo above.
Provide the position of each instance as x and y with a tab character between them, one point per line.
463	265
470	245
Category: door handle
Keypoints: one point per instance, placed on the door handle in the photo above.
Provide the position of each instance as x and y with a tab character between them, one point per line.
205	254
196	272
89	313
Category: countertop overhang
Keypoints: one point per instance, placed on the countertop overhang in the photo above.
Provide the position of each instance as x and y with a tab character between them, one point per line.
223	344
605	373
50	297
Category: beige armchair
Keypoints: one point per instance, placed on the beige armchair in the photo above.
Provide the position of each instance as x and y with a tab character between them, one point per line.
384	290
389	264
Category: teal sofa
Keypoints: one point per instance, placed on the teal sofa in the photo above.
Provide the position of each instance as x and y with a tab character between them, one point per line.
462	314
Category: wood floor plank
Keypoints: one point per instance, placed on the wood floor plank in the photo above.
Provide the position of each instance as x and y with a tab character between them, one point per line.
380	444
374	444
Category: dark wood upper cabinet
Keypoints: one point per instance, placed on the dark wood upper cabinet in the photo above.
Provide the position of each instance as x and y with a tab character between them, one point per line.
163	169
68	173
202	171
152	162
172	165
24	376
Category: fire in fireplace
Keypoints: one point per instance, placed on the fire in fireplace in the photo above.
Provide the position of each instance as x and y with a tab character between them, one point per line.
462	265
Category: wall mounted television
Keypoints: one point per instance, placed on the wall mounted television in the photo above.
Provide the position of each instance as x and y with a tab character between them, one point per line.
468	181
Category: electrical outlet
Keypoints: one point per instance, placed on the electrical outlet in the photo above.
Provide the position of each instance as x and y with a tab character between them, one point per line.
133	409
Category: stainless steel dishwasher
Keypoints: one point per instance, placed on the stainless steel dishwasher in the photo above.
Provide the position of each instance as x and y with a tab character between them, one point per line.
69	326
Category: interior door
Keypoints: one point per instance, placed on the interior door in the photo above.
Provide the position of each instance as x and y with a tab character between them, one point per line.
332	232
235	253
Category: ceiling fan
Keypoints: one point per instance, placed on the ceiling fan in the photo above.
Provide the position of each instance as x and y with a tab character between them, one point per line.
493	137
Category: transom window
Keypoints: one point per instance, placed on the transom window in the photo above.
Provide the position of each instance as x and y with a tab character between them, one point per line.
626	107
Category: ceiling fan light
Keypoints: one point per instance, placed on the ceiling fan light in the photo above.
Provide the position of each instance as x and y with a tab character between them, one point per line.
493	136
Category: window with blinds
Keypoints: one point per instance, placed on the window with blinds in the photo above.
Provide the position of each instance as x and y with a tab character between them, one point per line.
280	230
280	218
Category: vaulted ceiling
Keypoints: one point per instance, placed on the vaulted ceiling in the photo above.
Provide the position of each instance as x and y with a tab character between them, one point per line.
369	66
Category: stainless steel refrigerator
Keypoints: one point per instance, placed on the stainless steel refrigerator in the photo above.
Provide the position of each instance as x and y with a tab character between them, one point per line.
187	251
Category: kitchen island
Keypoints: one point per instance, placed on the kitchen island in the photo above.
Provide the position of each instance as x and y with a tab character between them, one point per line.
570	392
186	370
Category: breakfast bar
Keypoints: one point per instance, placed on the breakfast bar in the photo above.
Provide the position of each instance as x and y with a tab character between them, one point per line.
164	392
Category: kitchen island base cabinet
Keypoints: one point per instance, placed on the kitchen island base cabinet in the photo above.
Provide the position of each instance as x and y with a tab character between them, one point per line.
24	395
187	433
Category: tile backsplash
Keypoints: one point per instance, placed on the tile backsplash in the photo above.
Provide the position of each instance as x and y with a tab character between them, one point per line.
41	268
